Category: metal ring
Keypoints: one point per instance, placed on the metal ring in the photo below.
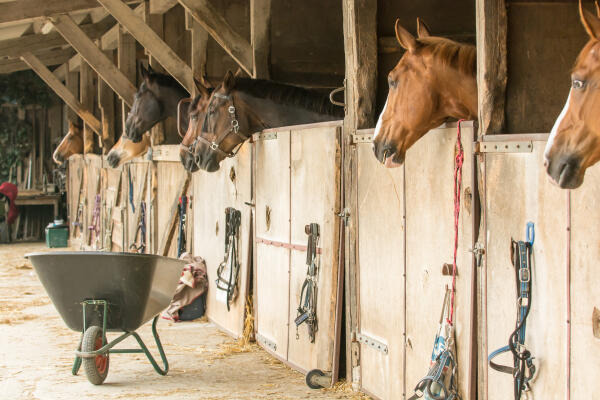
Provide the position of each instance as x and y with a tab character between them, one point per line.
333	93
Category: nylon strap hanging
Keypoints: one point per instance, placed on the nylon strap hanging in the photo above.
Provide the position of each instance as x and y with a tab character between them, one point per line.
140	231
94	227
523	369
307	309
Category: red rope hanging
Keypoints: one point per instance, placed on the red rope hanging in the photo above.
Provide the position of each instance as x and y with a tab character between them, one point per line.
458	163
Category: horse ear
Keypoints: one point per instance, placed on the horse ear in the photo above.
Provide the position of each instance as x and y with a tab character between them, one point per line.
590	22
239	73
405	38
201	86
229	81
597	8
422	29
143	72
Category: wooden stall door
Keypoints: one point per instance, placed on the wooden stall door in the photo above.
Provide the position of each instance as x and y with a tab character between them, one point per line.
112	210
273	224
315	198
213	192
429	200
76	197
297	183
517	191
585	296
381	276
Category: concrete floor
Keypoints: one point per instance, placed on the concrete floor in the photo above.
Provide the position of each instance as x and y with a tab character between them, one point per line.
36	354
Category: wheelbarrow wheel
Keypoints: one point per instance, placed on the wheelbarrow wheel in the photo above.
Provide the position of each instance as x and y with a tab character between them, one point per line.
96	368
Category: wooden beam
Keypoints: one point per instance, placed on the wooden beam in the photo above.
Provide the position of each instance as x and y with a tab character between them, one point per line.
26	10
360	46
491	64
109	40
214	23
156	22
65	25
161	6
127	64
34	43
86	96
260	39
151	41
47	58
61	90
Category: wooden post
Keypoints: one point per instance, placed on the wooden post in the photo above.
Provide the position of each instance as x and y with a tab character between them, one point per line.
72	82
106	103
156	23
127	64
73	34
260	21
199	50
360	44
86	97
491	64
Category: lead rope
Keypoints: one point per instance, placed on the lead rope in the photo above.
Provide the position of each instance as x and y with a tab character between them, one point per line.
458	163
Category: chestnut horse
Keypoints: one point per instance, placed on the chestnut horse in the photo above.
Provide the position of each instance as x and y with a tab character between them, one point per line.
156	100
434	80
240	107
196	113
574	142
71	144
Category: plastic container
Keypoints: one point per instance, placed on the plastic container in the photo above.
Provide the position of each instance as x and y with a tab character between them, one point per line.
57	235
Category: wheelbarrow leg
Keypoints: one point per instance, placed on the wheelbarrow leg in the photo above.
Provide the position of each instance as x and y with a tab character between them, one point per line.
77	362
160	350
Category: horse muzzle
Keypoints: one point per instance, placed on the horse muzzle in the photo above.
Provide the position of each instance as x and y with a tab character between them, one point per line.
188	161
565	171
387	155
113	159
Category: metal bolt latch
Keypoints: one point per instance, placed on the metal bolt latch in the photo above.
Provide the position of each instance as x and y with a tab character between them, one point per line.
478	252
345	214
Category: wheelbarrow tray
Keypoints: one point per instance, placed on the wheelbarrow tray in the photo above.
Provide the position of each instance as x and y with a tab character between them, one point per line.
136	286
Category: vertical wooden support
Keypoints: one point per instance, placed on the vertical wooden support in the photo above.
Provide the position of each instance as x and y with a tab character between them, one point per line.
199	48
260	40
492	77
106	102
72	83
491	64
156	22
126	64
360	45
86	97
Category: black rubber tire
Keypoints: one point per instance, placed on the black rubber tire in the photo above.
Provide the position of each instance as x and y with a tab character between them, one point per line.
96	368
309	376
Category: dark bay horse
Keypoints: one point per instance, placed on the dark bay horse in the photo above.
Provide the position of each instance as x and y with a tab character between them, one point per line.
156	100
71	144
434	80
574	142
240	107
196	113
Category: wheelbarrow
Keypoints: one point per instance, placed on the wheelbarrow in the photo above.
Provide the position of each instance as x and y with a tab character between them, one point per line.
100	292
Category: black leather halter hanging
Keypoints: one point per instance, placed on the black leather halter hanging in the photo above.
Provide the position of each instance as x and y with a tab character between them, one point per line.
307	309
228	281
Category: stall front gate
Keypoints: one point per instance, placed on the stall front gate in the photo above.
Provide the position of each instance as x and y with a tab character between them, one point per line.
297	199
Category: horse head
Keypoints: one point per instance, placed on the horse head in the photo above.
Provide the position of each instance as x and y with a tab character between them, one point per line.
434	80
155	100
195	117
126	149
222	130
71	144
574	142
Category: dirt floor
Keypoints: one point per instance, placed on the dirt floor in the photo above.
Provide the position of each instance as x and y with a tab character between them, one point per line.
36	354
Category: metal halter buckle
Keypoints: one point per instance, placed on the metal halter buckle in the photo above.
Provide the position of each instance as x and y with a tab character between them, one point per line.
214	146
524	275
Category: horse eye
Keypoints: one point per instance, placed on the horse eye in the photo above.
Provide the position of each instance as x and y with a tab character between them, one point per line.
392	83
578	84
194	117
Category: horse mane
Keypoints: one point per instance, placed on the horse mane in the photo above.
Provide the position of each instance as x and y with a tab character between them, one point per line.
460	56
164	80
289	95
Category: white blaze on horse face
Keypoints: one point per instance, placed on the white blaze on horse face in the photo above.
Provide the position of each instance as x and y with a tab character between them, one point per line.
378	126
554	130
